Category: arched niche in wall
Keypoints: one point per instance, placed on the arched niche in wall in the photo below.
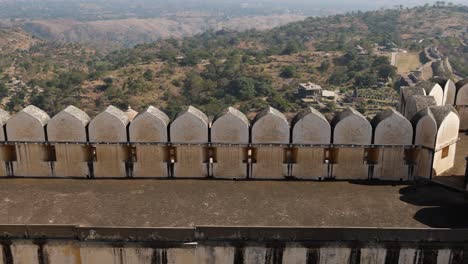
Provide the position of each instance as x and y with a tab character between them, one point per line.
69	126
229	135
149	126
189	129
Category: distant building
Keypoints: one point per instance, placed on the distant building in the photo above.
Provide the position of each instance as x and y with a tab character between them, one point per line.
309	90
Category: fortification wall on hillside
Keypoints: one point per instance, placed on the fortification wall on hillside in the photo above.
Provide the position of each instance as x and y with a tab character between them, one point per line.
111	144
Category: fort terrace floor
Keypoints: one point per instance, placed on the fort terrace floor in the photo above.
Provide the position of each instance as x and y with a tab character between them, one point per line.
185	203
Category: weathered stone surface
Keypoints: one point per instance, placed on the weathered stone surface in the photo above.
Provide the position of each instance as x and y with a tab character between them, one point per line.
149	126
28	125
374	255
461	103
435	90
270	127
24	252
310	127
109	126
391	128
4	116
69	126
351	127
449	89
190	126
448	124
462	92
130	113
417	103
425	135
231	127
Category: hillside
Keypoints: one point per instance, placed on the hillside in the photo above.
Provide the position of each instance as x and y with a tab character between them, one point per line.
349	54
117	33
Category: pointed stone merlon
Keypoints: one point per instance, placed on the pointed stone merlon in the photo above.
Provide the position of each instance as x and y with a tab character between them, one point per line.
109	126
449	90
311	127
190	126
31	160
392	128
4	117
417	103
433	89
351	127
27	125
270	127
231	126
461	103
448	124
149	126
68	126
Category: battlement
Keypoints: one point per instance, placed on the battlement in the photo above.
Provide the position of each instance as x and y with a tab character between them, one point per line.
71	144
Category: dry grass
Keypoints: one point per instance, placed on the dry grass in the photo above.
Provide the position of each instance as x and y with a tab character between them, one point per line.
407	62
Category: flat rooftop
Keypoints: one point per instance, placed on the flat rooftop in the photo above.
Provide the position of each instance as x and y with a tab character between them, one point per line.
188	203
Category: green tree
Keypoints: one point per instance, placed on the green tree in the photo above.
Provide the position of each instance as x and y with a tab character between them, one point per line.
288	72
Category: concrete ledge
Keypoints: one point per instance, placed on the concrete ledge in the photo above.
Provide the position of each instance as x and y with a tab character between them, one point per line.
232	234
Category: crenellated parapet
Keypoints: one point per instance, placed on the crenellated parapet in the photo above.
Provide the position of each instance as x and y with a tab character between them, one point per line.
149	144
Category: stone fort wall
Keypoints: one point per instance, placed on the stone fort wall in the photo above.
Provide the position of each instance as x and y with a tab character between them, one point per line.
230	245
115	144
